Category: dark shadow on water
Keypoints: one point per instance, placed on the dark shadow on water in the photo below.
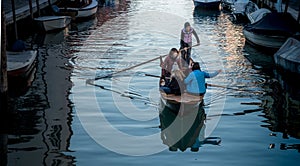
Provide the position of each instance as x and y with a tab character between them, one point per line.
282	105
182	126
202	13
281	101
260	60
39	126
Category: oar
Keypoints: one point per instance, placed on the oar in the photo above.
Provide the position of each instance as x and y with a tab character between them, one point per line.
211	85
89	81
225	87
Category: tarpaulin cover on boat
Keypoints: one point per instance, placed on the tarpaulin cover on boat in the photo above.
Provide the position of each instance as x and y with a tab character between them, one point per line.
288	56
279	24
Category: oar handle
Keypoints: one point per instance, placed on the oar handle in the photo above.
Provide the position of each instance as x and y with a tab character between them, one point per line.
129	68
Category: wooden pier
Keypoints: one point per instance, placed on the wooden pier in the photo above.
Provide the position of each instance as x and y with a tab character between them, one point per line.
25	11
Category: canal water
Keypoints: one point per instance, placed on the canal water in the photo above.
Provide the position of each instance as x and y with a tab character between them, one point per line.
62	119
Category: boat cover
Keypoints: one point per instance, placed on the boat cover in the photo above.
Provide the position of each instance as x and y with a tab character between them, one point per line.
277	24
258	15
240	5
289	51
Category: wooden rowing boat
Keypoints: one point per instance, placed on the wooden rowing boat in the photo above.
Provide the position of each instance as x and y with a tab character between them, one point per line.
183	98
19	64
50	23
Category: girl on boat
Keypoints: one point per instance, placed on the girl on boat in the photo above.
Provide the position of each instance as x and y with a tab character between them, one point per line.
186	41
172	75
195	81
169	61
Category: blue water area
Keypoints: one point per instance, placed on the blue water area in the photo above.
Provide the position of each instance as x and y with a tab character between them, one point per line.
252	115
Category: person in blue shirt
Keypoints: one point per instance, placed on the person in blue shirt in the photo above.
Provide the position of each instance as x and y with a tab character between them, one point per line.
195	81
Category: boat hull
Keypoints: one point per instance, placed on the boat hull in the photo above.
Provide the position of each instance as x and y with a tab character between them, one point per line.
88	11
19	64
50	23
211	4
84	12
266	41
288	56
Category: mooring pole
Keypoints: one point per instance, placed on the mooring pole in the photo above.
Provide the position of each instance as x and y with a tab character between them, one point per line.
286	6
38	7
14	18
298	19
3	91
3	148
3	67
30	8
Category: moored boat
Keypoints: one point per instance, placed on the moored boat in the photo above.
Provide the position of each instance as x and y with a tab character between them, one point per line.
227	4
82	8
271	31
19	64
238	8
288	56
50	23
212	4
257	15
250	8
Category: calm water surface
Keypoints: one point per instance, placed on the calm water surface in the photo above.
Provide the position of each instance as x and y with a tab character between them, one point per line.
62	120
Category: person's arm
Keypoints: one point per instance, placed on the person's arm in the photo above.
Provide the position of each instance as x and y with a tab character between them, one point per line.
164	63
196	36
211	75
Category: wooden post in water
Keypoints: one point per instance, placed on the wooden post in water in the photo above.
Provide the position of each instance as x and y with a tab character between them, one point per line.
286	6
3	148
3	92
298	19
30	9
3	67
14	18
38	7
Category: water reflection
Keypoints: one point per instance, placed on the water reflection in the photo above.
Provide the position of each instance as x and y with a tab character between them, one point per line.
18	86
182	126
281	101
40	129
281	105
202	12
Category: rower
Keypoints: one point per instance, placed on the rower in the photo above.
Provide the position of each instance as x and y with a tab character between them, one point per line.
186	41
172	76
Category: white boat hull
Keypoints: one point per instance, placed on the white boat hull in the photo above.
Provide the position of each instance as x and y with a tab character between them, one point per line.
273	42
89	10
50	23
19	63
84	12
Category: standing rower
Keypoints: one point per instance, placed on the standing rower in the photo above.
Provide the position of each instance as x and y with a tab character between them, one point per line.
186	41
